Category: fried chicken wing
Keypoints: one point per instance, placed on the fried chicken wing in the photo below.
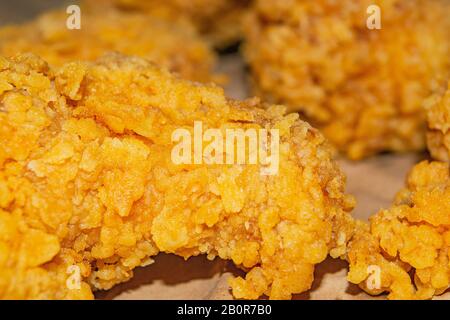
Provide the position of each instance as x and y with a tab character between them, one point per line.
409	243
364	88
439	128
88	183
171	44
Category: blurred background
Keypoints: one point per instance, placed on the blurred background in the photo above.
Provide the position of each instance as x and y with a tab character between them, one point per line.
16	11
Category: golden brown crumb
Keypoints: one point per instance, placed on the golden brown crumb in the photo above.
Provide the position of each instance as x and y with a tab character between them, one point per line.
171	44
439	128
409	242
219	21
363	88
87	180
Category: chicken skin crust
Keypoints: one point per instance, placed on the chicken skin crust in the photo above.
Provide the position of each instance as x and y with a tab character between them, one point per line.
171	44
88	183
439	128
364	88
218	21
407	246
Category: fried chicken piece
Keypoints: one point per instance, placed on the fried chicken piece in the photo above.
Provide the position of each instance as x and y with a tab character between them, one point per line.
87	180
363	88
439	128
408	243
172	44
219	21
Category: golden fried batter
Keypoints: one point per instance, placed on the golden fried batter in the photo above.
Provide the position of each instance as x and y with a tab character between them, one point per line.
409	242
174	45
219	21
364	88
439	128
87	180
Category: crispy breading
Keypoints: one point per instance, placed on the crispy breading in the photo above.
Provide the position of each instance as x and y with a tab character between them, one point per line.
363	88
439	128
171	44
408	243
219	21
87	180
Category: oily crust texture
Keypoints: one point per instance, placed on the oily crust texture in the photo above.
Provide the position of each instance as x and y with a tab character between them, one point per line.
439	128
409	242
87	180
171	44
363	88
218	21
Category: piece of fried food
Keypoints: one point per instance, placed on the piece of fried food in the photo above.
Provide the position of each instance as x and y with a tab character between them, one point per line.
88	183
439	128
172	44
364	88
407	246
219	21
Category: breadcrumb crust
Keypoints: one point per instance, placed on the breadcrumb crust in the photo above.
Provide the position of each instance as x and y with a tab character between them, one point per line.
171	44
218	21
86	179
363	88
410	241
438	136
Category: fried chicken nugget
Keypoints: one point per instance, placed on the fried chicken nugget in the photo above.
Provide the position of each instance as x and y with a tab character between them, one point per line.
88	183
363	88
172	44
407	246
439	128
219	21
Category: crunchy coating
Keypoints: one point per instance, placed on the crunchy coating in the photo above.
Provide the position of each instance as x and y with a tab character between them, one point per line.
86	179
219	21
410	241
171	44
439	128
363	88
